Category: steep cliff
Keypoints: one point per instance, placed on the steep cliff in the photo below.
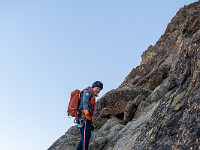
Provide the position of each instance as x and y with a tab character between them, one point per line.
158	104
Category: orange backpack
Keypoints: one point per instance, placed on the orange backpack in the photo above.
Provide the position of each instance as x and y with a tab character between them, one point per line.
74	103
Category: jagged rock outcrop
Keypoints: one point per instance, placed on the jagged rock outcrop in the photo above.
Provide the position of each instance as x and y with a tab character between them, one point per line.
115	101
158	104
67	141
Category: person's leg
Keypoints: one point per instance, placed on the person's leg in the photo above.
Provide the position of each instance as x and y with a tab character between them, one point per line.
80	145
87	135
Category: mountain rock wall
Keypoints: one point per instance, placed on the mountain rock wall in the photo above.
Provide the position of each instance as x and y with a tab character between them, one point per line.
158	104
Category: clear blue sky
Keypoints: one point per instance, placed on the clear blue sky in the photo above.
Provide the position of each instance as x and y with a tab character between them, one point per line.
50	47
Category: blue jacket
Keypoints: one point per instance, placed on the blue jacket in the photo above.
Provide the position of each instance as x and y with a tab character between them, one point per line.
84	100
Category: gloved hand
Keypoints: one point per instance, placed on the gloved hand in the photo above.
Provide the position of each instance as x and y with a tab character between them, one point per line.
87	114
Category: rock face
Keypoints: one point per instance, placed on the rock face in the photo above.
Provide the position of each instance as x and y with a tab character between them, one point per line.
158	104
67	141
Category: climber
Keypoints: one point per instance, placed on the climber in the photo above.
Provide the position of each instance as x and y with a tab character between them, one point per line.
86	113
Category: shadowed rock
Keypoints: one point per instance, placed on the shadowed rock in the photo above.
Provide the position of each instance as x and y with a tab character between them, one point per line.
131	108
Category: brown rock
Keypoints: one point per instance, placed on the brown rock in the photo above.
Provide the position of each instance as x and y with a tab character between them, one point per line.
115	101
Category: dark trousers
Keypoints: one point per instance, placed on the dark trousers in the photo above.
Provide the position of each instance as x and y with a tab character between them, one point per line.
85	136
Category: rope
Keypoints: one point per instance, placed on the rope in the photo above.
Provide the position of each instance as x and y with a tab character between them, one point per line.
84	137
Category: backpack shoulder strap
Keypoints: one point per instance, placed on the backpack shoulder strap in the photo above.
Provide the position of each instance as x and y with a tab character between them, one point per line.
91	91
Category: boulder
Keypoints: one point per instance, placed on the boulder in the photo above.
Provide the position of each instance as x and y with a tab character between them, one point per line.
115	101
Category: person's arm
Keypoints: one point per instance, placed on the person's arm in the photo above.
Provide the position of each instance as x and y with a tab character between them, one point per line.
86	98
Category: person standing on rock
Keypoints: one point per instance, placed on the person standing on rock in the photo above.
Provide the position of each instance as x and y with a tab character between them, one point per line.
86	113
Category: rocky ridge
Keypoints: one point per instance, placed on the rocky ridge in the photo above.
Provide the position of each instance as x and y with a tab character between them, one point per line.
158	104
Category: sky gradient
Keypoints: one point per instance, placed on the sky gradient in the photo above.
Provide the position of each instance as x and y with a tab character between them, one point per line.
49	48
